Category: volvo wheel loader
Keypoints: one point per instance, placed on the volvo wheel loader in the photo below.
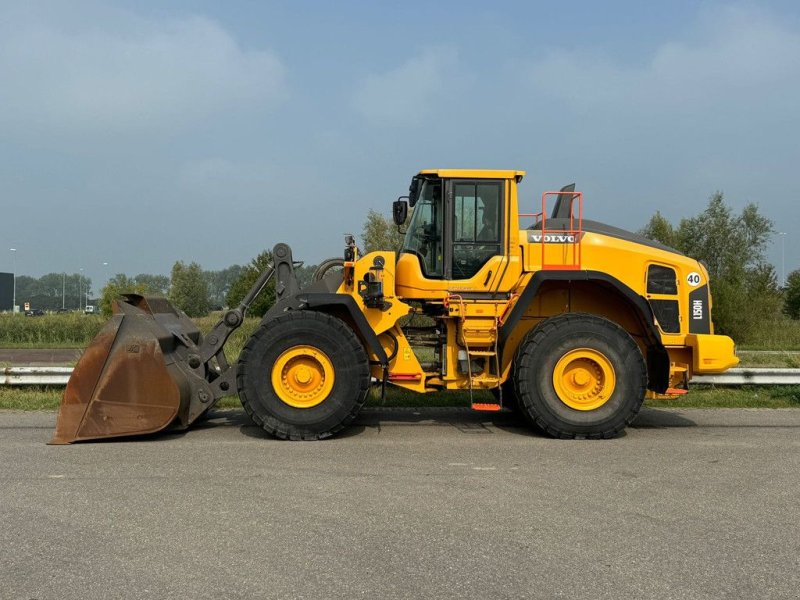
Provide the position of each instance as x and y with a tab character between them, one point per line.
570	321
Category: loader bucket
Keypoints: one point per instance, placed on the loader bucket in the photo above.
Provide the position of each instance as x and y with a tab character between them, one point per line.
131	379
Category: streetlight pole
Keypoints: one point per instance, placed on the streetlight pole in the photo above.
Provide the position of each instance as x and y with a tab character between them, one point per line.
63	289
14	293
783	258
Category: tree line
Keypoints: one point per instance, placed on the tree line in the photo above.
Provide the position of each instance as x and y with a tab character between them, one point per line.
54	290
197	291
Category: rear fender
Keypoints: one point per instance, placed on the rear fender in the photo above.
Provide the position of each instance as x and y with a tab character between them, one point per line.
658	362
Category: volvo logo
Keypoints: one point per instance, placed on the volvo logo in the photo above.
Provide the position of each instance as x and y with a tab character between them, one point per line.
553	238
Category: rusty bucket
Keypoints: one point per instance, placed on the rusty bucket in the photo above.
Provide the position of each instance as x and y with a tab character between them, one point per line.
132	379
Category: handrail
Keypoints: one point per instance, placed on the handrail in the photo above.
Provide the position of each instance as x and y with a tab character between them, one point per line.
576	234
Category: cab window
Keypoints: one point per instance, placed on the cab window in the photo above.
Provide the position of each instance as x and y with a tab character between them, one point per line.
477	224
424	234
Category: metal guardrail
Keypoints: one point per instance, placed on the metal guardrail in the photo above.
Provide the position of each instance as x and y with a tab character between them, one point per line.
742	376
35	375
752	376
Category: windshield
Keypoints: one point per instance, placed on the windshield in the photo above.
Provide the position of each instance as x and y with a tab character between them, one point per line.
424	233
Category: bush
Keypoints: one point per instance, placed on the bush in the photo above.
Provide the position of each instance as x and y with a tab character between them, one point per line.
792	301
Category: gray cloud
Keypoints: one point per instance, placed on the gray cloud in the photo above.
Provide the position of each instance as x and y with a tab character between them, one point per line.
737	56
127	74
406	93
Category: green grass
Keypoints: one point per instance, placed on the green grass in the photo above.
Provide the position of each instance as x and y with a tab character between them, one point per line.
781	333
30	398
788	359
44	398
69	330
783	396
239	337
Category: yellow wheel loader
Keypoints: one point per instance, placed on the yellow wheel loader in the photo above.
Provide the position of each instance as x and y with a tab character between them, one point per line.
569	321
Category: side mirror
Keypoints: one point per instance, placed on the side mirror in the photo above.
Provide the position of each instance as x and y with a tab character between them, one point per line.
399	212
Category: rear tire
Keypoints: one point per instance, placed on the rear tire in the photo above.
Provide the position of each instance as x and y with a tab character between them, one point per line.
509	399
579	375
325	266
303	376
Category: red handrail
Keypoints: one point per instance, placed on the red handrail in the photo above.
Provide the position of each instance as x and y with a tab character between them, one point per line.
576	233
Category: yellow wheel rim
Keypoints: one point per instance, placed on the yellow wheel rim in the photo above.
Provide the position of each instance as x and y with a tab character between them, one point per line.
584	379
302	376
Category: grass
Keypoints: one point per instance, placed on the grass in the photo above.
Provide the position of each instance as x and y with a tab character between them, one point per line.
68	330
779	396
787	360
30	398
239	337
49	398
781	333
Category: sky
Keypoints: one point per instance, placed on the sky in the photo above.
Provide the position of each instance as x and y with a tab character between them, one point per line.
134	134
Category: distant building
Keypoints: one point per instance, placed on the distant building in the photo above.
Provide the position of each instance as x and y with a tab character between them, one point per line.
6	291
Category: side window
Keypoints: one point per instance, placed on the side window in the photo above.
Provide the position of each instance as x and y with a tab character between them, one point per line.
477	209
662	281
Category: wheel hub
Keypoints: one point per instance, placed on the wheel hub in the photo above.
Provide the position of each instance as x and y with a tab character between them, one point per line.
303	376
584	379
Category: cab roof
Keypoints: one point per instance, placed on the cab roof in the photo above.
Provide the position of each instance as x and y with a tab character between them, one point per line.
474	173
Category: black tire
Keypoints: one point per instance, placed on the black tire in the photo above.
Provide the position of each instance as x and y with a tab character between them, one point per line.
326	266
510	400
325	334
537	361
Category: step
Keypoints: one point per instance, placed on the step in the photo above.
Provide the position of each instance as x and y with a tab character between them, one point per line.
486	406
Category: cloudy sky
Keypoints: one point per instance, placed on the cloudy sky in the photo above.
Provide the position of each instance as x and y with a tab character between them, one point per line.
139	133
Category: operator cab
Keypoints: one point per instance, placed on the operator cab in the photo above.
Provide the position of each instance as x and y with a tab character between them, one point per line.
457	230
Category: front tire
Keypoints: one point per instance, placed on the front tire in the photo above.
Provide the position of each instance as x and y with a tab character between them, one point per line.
303	376
580	375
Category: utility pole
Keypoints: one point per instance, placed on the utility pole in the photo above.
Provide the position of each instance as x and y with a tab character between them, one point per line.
63	289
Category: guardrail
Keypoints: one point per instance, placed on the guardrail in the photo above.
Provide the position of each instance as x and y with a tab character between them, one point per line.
35	375
57	376
752	376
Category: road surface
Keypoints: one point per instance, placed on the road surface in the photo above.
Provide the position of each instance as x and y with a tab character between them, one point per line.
407	504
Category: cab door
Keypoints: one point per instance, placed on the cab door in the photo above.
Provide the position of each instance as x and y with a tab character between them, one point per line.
475	236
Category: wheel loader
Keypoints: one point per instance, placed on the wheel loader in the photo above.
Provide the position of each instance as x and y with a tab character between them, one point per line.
571	322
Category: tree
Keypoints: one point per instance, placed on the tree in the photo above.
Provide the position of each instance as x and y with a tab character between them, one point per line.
117	286
50	291
660	230
380	233
188	290
732	248
156	285
792	300
220	282
305	275
247	279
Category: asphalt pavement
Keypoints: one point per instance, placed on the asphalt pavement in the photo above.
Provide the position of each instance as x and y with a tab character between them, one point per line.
408	503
